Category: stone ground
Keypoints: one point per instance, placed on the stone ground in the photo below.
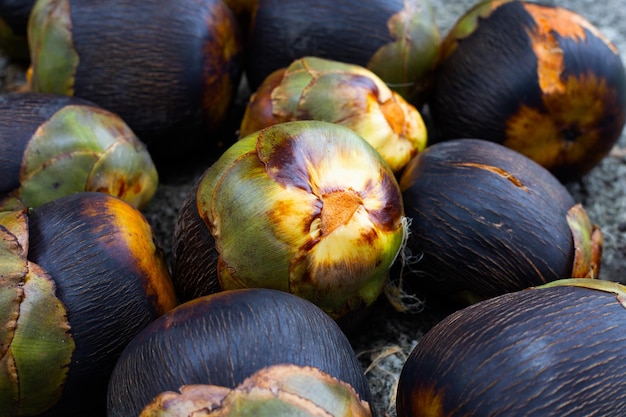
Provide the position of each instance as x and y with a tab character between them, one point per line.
392	335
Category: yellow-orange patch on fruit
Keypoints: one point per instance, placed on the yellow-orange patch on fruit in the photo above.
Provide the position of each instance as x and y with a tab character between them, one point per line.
552	21
427	402
568	129
137	234
535	134
557	20
565	22
395	116
496	170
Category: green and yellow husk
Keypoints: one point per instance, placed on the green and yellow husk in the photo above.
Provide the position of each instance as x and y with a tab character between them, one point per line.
306	207
83	148
35	341
313	88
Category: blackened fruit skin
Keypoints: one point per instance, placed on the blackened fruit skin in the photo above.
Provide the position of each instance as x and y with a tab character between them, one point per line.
329	24
223	338
201	255
484	219
108	293
186	85
564	110
171	69
538	352
346	31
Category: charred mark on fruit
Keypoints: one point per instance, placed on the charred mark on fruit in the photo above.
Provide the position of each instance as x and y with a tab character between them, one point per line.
425	398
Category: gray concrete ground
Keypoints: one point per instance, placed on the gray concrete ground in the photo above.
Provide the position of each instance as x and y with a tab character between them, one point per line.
391	336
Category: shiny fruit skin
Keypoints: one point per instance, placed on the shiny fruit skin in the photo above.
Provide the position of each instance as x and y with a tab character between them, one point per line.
397	40
223	338
486	220
553	351
171	72
539	79
110	277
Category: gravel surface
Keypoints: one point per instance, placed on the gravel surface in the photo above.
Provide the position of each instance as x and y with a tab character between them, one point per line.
390	336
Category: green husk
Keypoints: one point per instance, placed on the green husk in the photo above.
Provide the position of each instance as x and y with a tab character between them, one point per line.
83	148
53	57
405	63
42	347
35	344
593	284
